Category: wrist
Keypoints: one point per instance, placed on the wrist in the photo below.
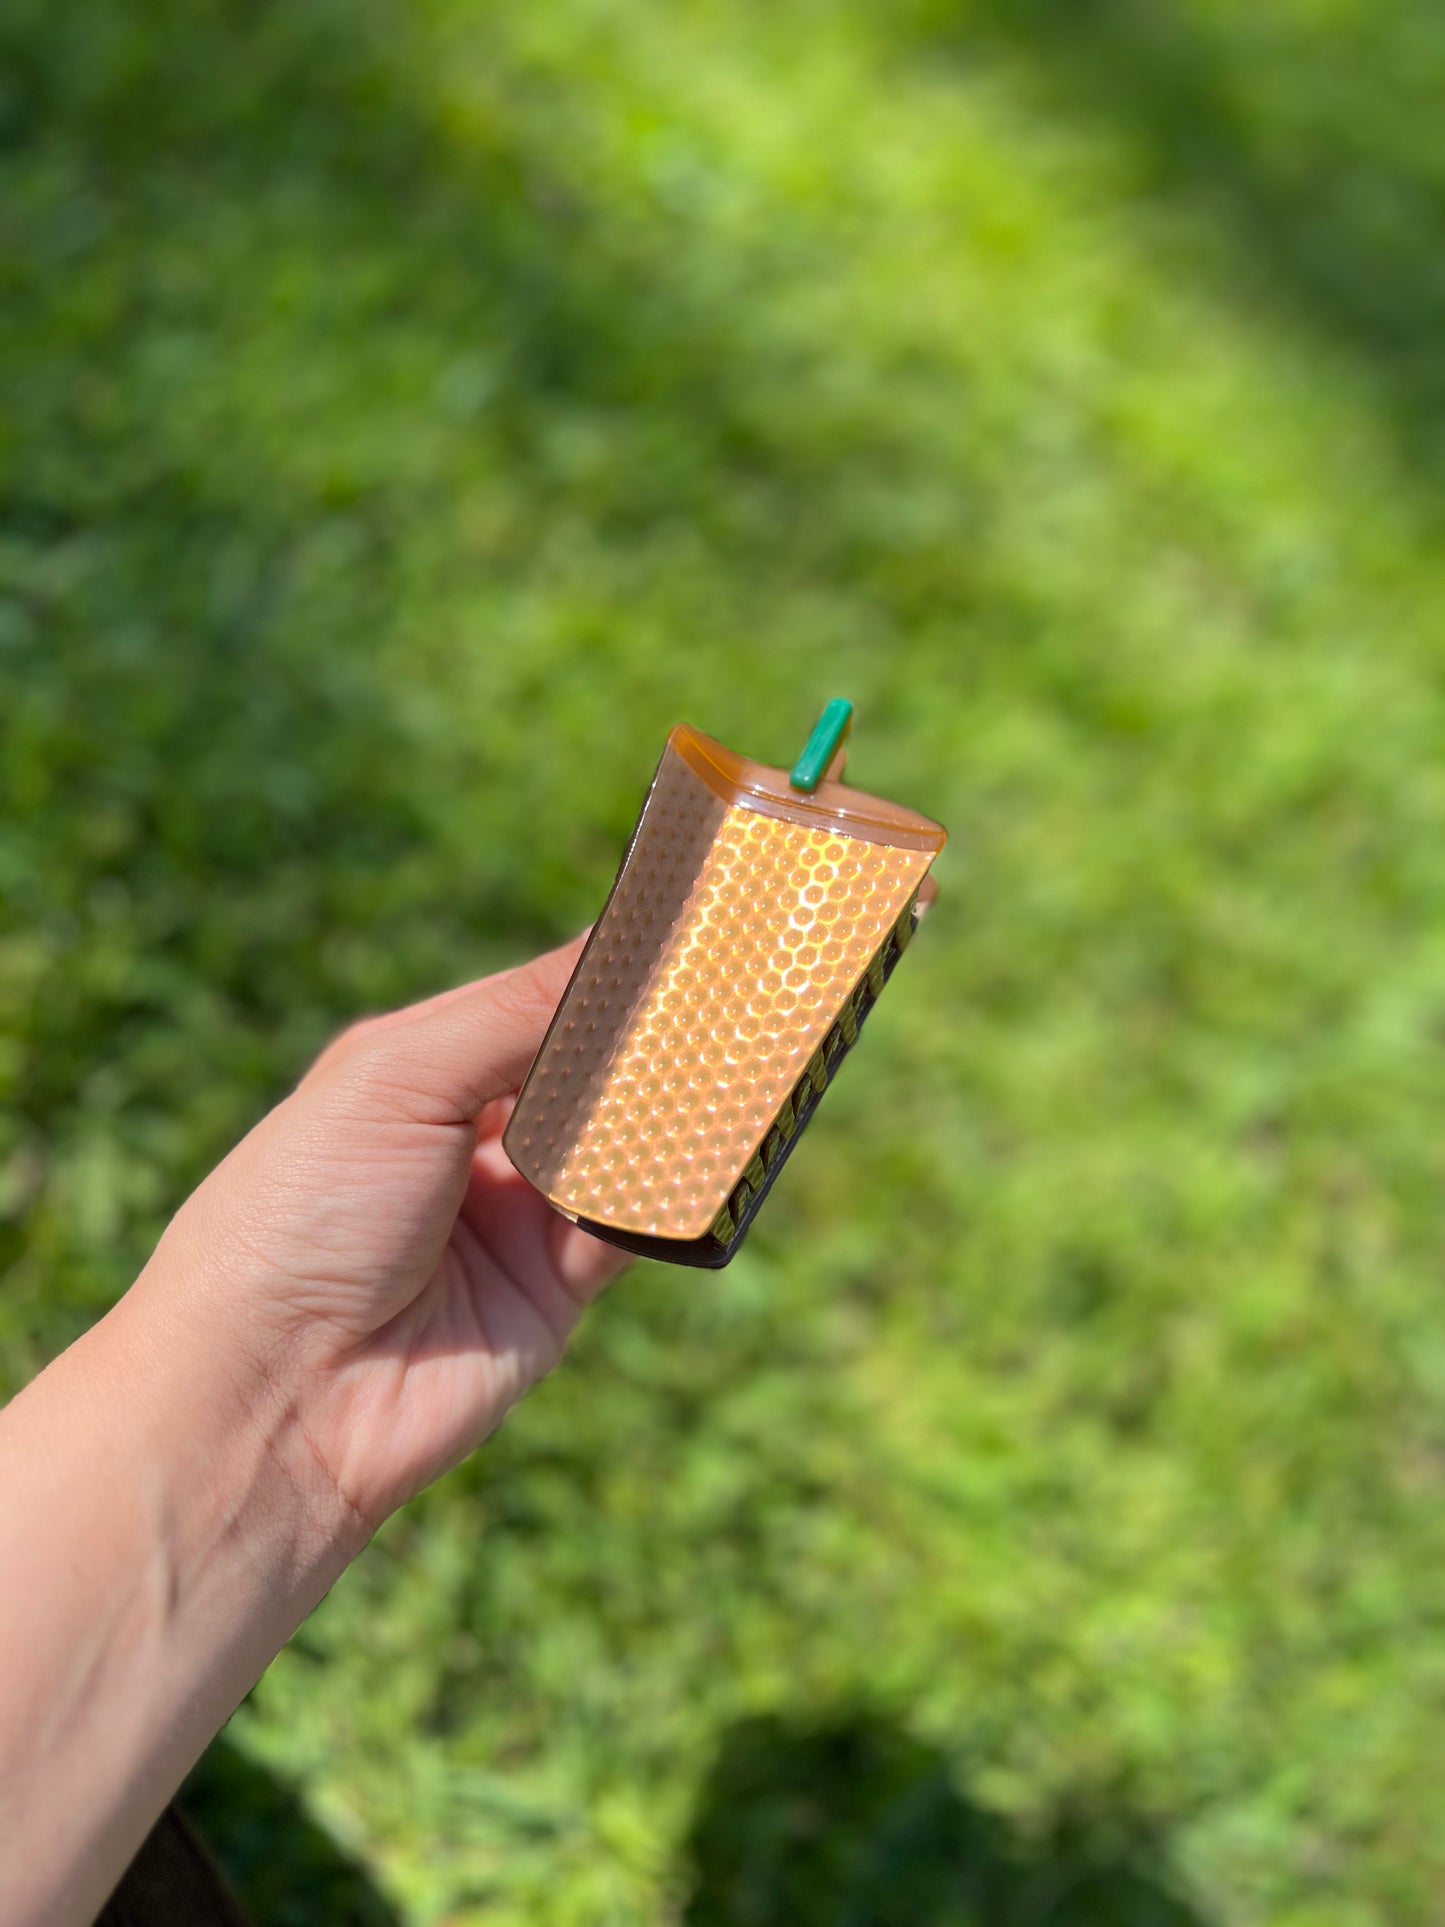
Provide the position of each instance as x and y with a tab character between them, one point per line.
158	1553
224	1428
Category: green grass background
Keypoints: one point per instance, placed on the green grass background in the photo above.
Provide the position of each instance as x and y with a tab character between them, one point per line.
410	409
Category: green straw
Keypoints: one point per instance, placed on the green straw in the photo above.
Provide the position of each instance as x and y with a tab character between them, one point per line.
822	746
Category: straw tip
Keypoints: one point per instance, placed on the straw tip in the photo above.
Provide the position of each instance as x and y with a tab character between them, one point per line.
823	745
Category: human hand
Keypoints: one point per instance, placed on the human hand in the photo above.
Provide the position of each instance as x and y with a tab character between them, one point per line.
382	1282
345	1308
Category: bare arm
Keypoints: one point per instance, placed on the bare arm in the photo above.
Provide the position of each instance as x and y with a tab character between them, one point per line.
345	1308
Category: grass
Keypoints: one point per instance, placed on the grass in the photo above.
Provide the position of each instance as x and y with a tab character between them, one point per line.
409	412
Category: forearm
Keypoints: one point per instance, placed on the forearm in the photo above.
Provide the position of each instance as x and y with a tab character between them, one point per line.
158	1545
347	1306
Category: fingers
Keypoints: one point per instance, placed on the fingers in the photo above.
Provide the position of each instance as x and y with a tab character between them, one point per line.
493	1119
584	1263
444	1060
522	1230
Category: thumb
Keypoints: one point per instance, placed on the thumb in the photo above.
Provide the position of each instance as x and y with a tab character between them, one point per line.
442	1061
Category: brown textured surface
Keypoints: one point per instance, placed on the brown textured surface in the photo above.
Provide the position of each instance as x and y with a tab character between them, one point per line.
678	825
731	941
173	1882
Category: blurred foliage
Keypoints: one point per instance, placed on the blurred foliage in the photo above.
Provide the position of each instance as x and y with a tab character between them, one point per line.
409	411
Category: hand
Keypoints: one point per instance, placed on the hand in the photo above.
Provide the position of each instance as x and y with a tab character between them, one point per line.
377	1273
347	1306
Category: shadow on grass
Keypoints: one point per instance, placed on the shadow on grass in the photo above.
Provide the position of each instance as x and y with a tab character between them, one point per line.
1301	136
286	1871
853	1824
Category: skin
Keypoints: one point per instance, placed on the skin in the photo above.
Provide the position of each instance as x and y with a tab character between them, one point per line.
346	1307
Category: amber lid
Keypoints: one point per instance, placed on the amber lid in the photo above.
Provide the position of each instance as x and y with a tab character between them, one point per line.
832	806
